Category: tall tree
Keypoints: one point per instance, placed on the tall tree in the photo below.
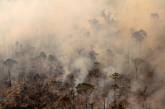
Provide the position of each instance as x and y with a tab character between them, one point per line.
9	64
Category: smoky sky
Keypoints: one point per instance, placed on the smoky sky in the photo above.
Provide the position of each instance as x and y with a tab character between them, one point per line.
118	32
105	26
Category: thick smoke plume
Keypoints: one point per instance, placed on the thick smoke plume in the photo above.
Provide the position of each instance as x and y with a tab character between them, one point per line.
78	37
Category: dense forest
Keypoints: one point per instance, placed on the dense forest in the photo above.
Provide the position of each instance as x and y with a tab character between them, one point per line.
82	54
42	84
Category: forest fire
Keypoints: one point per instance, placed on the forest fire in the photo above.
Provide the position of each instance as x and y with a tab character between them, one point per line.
90	54
48	90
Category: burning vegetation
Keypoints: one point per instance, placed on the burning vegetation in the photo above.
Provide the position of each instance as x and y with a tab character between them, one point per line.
46	86
97	56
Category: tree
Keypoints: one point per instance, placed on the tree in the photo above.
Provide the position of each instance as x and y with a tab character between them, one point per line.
115	76
85	89
9	64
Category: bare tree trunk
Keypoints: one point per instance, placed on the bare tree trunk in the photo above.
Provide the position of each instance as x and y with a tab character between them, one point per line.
86	104
136	71
92	105
9	82
72	99
104	103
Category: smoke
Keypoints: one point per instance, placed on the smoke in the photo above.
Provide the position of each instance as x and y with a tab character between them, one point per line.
117	31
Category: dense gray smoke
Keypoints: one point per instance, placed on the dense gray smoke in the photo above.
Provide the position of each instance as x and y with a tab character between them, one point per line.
73	38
